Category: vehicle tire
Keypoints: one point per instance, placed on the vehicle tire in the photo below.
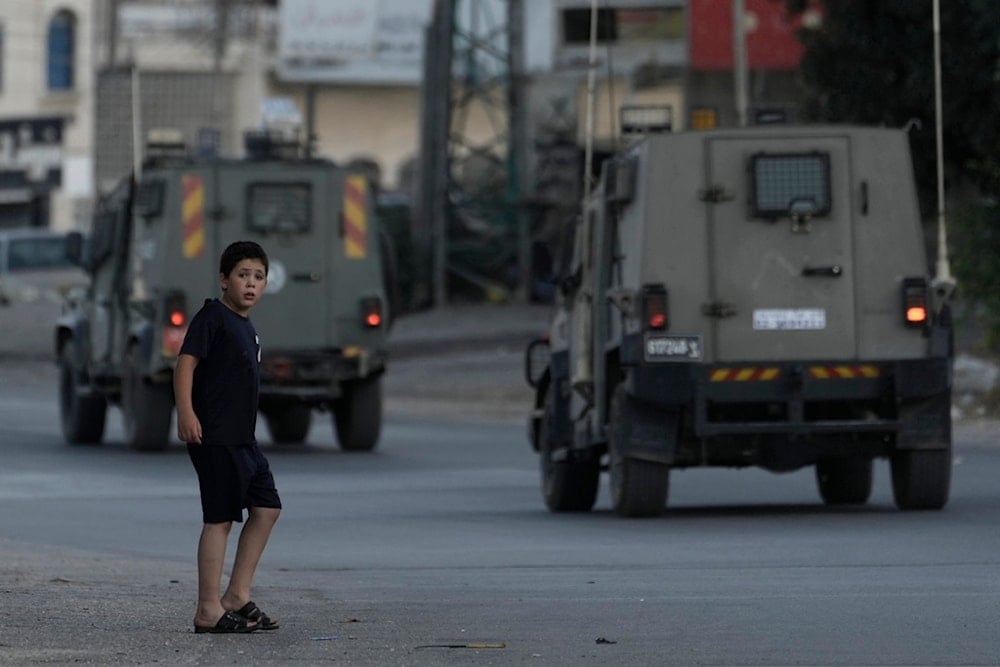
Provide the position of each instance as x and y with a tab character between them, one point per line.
638	487
82	415
147	408
289	424
844	481
567	486
921	479
357	415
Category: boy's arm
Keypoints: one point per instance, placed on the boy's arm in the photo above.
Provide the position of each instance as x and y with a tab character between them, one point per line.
188	426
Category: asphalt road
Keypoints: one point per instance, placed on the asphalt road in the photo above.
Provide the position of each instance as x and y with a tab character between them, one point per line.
440	538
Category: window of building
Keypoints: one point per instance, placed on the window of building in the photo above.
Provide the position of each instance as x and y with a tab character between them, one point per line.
624	24
61	44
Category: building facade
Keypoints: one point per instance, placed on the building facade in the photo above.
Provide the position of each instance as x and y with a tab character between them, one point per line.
80	80
46	113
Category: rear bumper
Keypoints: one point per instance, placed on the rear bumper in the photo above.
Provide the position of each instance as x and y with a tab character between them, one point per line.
315	377
796	399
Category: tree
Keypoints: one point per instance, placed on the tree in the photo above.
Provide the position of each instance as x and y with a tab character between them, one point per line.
872	62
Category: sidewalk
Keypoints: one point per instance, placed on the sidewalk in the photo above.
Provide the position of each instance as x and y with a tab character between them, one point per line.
451	328
463	362
73	607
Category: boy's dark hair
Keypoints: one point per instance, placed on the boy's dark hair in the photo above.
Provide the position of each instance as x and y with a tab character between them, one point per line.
237	252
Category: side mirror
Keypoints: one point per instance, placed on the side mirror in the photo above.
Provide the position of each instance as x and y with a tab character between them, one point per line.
74	247
536	361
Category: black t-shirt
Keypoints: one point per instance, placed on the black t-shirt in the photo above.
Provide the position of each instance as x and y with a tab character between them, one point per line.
227	377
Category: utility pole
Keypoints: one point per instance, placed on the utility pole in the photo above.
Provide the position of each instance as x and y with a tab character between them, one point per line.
220	34
588	150
517	149
741	79
220	38
112	26
437	124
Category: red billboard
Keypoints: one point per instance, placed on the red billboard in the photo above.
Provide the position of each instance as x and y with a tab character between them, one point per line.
772	42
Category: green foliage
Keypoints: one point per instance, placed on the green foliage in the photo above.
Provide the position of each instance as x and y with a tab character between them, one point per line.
872	62
975	241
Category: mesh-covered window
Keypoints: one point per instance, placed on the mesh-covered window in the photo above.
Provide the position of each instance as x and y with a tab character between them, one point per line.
786	182
278	207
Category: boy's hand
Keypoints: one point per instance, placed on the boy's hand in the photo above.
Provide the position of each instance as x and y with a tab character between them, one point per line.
189	428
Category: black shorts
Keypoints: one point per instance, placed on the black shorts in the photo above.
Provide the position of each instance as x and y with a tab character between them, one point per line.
230	479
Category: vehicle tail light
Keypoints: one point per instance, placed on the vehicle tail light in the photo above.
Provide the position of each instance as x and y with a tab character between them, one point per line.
371	312
654	307
175	308
175	322
915	301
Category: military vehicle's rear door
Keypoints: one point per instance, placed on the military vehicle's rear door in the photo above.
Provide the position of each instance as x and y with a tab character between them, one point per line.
780	251
286	211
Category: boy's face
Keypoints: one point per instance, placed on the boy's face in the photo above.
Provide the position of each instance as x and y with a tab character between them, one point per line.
244	286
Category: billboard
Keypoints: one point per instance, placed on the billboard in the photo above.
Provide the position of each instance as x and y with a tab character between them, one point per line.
346	41
772	41
327	31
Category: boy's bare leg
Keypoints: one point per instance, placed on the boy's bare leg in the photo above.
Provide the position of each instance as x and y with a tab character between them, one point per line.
211	556
253	539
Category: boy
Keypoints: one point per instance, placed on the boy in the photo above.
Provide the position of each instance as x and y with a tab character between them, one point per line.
216	381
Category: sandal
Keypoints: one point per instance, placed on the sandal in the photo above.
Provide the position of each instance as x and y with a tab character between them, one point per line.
231	622
253	613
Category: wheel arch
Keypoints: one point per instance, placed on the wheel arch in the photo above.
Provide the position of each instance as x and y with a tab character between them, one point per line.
541	392
71	332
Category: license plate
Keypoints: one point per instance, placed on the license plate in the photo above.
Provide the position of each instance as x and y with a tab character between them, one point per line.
789	319
673	348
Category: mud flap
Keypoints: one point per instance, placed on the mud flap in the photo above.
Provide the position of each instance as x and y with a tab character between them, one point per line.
647	432
925	424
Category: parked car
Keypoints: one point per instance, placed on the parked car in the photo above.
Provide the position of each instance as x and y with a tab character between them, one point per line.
35	266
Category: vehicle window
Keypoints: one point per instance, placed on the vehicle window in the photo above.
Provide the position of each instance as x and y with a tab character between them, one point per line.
787	182
42	253
278	207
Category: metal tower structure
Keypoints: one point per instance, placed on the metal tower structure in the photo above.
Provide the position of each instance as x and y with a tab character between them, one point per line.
472	152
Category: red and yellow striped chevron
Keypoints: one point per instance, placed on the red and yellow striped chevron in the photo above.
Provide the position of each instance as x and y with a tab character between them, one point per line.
193	216
744	374
355	218
843	372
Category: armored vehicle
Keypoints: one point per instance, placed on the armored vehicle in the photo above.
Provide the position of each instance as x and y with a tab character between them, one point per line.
153	260
747	297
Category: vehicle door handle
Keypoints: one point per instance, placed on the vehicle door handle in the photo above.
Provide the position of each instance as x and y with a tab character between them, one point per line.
833	271
718	308
306	277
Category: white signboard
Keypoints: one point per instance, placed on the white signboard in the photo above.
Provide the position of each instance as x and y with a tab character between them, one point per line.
352	41
327	31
